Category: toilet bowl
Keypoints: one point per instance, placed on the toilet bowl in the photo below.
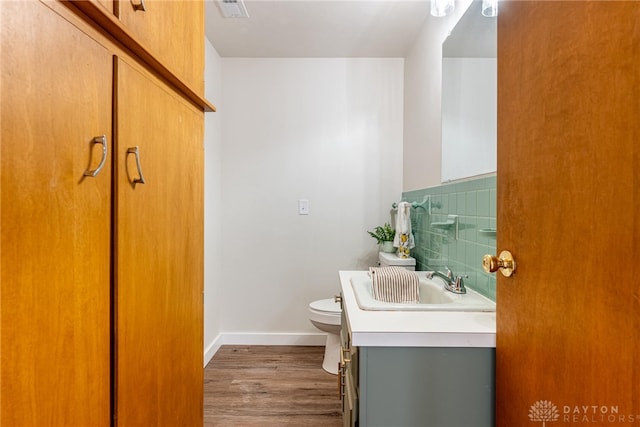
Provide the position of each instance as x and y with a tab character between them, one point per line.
325	314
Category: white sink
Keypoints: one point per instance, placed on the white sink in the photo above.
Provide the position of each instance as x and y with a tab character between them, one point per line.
433	297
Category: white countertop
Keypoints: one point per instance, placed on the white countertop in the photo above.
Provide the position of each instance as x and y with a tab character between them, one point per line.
415	328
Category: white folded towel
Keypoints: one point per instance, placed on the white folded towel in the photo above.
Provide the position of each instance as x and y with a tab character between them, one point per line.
395	284
403	240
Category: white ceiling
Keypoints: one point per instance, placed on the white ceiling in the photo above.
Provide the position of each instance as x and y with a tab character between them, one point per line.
317	28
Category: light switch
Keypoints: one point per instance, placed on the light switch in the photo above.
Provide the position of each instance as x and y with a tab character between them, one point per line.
303	207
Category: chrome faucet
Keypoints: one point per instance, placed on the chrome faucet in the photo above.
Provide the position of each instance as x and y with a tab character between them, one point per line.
451	283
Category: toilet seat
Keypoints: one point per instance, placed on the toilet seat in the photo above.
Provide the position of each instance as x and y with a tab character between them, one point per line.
325	311
328	305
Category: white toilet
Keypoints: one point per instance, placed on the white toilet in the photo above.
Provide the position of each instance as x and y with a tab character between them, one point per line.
393	260
325	314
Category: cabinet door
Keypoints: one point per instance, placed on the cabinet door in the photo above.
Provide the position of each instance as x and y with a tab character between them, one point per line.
159	254
55	269
173	31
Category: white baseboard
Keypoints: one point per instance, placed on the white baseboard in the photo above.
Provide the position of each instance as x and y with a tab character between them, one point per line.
254	338
251	338
212	349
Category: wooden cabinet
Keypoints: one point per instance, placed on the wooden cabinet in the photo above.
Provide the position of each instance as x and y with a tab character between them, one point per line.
159	247
169	30
55	273
101	279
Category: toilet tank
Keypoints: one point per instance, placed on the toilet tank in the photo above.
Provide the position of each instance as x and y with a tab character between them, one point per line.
393	260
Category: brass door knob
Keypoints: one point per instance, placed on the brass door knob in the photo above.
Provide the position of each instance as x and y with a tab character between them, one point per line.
505	263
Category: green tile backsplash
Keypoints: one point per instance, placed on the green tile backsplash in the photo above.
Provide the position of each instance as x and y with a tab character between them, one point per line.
474	202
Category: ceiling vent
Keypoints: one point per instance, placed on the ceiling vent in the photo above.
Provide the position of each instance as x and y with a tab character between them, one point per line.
233	9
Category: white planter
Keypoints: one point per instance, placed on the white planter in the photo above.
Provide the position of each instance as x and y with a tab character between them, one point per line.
388	247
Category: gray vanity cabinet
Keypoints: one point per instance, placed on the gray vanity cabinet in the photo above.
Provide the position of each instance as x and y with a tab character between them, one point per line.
426	386
416	386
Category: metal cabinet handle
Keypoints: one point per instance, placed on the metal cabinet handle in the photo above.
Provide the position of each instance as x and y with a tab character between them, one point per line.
139	6
345	355
340	379
99	140
135	151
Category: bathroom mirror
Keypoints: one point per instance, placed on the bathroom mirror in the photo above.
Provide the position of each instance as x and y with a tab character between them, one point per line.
469	96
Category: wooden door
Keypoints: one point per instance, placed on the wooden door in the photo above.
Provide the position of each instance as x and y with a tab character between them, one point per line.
568	321
159	262
173	31
55	271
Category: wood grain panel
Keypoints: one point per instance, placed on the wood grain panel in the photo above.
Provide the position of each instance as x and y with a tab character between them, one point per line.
159	248
174	31
108	5
568	107
147	54
55	273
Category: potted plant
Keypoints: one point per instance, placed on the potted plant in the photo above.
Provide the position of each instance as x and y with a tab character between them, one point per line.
384	235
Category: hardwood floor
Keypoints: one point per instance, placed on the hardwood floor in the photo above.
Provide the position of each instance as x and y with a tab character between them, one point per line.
270	386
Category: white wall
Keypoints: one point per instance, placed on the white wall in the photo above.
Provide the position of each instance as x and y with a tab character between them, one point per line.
212	203
422	98
326	130
349	135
